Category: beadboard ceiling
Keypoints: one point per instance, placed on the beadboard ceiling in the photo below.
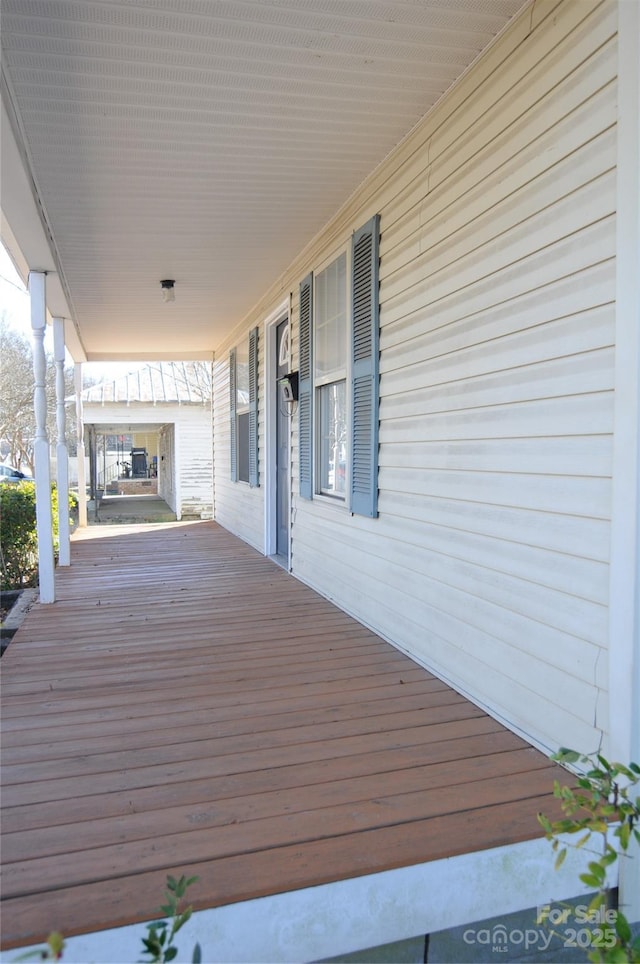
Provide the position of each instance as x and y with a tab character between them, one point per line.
206	141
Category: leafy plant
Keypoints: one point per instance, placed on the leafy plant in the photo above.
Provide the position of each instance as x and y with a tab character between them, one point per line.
52	952
158	944
600	803
18	536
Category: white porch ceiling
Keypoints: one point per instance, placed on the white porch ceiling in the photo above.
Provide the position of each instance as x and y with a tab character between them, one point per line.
206	141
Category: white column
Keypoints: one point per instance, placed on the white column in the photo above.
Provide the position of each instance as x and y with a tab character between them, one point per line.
82	478
62	452
624	588
44	521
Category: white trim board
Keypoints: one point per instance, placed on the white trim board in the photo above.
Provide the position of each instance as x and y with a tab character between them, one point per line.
624	605
624	600
269	361
350	915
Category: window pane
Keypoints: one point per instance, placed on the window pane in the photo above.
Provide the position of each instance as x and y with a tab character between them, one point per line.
332	455
242	377
330	355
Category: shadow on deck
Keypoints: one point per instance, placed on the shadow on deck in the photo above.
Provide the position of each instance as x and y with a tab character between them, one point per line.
187	706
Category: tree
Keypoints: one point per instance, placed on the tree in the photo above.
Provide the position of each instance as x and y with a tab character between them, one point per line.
17	418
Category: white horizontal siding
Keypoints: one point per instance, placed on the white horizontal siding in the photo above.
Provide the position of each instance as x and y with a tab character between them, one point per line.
489	559
502	119
452	642
238	506
166	465
195	467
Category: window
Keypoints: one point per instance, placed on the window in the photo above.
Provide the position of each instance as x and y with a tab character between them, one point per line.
243	405
330	378
242	410
338	377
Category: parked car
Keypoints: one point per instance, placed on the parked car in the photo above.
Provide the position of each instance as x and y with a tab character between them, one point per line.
9	474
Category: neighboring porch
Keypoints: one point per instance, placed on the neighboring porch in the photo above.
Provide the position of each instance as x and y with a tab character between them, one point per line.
187	706
127	509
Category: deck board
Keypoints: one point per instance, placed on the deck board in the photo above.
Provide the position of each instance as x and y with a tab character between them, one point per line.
187	706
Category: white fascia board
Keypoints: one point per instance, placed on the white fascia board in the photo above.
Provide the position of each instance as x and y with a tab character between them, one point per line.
362	912
23	232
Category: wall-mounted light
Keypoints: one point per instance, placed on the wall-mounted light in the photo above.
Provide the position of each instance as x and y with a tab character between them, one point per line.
289	387
168	292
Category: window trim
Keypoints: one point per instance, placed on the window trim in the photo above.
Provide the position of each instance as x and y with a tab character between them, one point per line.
339	497
254	453
363	376
233	423
339	375
251	410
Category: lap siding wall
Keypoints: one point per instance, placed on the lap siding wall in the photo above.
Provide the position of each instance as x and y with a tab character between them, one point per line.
489	559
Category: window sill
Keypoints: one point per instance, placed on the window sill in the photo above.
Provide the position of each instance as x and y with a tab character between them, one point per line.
330	500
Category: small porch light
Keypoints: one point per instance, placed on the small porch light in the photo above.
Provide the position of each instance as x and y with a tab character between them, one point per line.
289	385
168	293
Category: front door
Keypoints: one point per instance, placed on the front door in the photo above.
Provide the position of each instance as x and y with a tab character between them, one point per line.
282	445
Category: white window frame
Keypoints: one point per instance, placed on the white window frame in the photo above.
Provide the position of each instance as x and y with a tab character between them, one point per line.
319	382
242	407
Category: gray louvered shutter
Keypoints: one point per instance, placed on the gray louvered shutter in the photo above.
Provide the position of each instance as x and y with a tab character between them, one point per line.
305	388
365	370
253	407
233	427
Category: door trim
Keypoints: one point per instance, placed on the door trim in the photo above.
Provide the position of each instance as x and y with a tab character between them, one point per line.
271	322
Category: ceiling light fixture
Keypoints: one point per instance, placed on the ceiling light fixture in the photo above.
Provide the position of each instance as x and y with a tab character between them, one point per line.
168	293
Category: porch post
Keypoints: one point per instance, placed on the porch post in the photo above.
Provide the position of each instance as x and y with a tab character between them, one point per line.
44	519
624	585
82	479
62	452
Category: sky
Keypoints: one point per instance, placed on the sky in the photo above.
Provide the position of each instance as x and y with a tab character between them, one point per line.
14	299
15	307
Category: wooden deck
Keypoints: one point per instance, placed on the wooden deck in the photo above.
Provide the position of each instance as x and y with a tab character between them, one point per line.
187	706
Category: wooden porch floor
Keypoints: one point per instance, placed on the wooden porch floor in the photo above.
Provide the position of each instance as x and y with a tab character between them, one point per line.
187	706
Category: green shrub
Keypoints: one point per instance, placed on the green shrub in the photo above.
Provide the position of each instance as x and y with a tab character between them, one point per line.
18	535
158	944
18	539
601	803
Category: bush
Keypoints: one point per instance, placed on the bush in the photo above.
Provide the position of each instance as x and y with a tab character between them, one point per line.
18	539
18	535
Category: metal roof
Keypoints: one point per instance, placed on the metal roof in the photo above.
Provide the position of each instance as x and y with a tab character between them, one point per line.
157	384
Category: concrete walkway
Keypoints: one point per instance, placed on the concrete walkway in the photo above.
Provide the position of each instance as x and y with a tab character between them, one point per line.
129	510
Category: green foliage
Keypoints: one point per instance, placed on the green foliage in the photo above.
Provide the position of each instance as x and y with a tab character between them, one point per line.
599	803
52	952
18	538
158	944
18	535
